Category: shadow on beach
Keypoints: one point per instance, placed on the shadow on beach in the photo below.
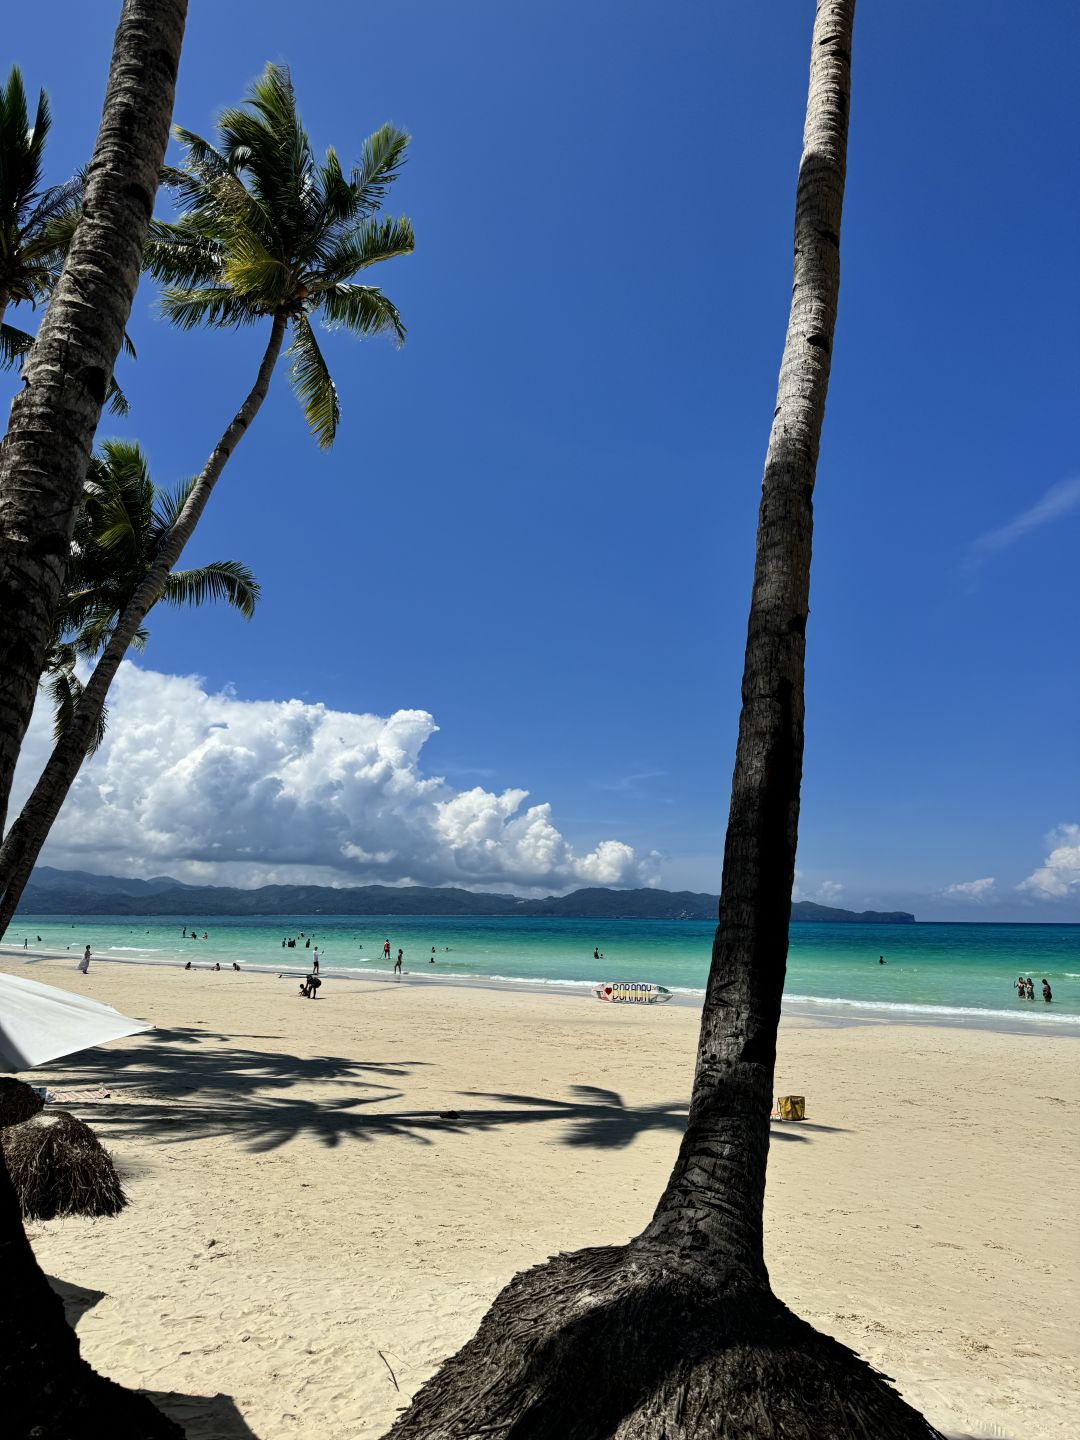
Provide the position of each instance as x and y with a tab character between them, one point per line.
203	1417
185	1084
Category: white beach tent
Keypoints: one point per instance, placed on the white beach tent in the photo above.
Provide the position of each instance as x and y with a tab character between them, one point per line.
39	1023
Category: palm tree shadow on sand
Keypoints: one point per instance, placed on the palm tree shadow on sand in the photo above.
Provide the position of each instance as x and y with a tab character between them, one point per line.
187	1084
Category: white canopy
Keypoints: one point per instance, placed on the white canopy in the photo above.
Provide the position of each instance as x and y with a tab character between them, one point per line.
40	1023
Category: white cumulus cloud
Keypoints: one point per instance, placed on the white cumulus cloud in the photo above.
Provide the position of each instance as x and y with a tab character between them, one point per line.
970	889
1059	874
216	789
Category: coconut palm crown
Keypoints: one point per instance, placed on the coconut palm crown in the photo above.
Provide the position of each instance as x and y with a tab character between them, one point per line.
267	230
119	525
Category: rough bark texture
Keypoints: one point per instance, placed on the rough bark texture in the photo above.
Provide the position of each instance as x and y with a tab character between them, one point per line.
23	843
55	415
46	1390
678	1334
603	1345
713	1203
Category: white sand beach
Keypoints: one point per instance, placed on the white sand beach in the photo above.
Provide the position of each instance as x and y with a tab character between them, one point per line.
308	1223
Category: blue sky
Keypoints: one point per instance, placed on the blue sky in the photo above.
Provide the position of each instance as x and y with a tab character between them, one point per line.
537	522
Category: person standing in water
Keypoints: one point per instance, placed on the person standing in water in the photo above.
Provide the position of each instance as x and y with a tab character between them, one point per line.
1029	988
397	965
315	961
386	949
84	963
1048	994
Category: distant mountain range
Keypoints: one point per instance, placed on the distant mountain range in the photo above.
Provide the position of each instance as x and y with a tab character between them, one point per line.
77	892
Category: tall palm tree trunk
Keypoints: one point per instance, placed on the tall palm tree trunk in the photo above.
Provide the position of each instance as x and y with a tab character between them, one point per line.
713	1202
23	843
677	1336
67	373
45	1387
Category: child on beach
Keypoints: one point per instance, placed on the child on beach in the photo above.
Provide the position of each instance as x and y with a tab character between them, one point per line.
84	964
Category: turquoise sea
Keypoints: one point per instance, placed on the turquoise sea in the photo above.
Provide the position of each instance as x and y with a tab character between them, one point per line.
946	972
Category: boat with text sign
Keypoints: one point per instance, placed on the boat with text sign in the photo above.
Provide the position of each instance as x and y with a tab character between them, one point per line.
632	992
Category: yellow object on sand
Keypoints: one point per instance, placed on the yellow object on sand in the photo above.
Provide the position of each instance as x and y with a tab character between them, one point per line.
791	1107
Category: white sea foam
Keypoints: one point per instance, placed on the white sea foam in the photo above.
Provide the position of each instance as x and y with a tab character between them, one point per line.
1038	1017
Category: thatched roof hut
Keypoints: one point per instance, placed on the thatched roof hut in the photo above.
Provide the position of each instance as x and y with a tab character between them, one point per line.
18	1101
58	1166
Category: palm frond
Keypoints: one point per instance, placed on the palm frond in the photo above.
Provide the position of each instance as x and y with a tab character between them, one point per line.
116	400
381	158
362	309
22	144
314	388
265	139
167	507
67	691
366	244
14	344
216	305
225	580
183	254
58	203
255	274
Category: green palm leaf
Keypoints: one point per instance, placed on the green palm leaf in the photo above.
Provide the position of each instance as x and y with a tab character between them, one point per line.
216	305
366	244
381	158
225	580
14	344
314	388
363	309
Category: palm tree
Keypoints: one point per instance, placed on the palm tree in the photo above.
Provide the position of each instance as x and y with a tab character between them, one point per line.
678	1334
45	1385
266	234
121	522
66	376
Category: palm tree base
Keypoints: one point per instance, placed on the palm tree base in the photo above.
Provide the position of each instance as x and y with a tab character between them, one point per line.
610	1345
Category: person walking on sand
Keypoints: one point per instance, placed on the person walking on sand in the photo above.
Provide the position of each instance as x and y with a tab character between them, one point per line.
397	965
84	964
1048	994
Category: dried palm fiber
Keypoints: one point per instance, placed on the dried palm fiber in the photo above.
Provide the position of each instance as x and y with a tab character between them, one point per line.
18	1101
58	1166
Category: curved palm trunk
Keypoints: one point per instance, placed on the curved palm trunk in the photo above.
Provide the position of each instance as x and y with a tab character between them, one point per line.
23	843
66	377
678	1335
46	1388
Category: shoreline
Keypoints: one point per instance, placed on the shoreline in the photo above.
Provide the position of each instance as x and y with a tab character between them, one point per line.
832	1011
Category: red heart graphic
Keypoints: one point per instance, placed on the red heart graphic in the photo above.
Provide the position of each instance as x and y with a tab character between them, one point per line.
607	989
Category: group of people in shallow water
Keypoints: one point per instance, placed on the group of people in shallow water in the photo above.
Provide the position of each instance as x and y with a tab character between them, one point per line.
1025	989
